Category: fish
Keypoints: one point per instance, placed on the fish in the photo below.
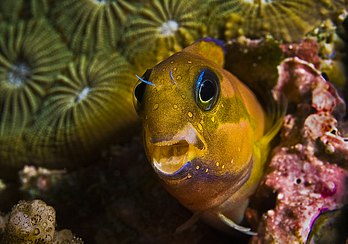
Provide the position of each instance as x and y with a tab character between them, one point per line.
206	134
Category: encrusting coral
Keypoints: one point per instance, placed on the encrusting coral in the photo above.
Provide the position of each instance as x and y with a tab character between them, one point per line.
90	25
282	19
162	28
88	105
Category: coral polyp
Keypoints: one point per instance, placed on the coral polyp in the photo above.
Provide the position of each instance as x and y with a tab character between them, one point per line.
31	54
39	8
282	19
164	27
19	9
91	24
88	105
11	10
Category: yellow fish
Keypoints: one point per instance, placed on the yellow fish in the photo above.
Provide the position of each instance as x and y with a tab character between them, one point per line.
205	133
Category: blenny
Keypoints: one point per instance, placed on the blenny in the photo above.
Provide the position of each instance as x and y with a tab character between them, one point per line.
205	133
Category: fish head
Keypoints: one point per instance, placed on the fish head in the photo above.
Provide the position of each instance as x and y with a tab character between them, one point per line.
197	129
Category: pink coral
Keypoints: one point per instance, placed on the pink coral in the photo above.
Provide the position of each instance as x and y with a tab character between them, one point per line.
303	172
306	187
306	50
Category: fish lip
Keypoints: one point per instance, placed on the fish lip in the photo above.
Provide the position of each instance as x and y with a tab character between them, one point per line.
177	175
160	142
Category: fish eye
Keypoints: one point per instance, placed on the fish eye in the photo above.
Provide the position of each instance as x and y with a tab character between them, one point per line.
140	89
207	89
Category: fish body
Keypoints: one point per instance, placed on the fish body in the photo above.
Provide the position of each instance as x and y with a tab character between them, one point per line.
205	133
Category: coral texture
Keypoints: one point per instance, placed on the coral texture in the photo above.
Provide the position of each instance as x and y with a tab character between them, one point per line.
80	109
306	180
15	10
31	54
39	8
283	19
33	222
163	28
91	24
11	10
30	222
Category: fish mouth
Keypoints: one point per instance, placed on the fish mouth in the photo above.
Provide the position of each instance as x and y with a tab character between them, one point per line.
170	156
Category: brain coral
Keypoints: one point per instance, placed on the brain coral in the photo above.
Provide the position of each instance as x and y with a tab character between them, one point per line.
30	222
33	222
164	27
88	104
91	24
285	20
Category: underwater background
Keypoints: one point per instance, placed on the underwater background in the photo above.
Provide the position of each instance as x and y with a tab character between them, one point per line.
69	134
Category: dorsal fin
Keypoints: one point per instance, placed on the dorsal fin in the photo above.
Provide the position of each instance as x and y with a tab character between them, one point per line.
209	48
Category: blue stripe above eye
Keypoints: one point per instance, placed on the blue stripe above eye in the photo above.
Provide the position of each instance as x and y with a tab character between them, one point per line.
199	80
145	81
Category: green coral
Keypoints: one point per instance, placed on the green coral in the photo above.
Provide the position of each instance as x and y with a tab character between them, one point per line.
19	9
11	10
31	54
338	5
287	20
39	8
91	25
162	28
88	105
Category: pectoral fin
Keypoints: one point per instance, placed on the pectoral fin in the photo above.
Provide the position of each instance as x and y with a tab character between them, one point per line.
232	224
189	223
